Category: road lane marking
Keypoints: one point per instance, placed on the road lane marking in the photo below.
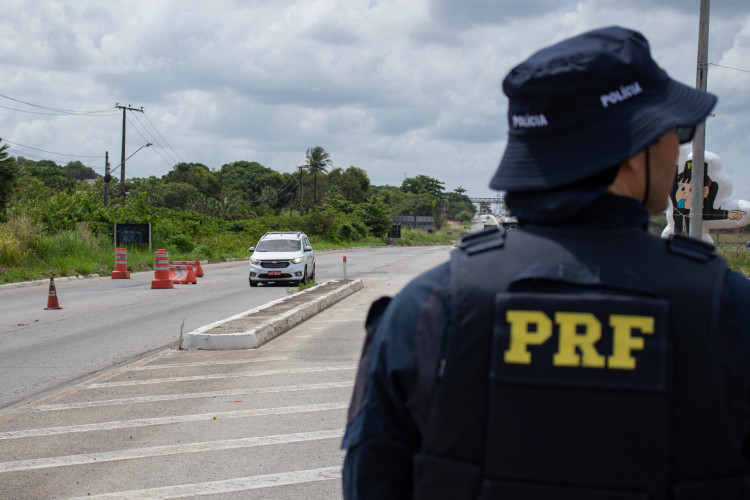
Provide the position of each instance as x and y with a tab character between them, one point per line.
179	419
77	387
171	380
225	486
206	363
173	449
193	395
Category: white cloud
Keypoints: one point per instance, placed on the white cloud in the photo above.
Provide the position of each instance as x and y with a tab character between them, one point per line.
396	88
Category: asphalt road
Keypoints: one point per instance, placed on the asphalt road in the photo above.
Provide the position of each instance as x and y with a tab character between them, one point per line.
105	323
259	423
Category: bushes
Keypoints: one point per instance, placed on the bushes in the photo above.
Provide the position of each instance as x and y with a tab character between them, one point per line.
16	238
71	232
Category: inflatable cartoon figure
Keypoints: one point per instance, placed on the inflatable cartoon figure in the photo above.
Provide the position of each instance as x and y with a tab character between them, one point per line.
720	211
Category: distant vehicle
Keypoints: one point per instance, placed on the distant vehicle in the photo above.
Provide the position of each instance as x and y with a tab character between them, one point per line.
508	223
282	257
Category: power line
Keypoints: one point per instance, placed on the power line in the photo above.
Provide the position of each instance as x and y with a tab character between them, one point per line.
729	67
24	154
157	131
108	112
52	152
153	139
57	110
170	165
289	186
56	114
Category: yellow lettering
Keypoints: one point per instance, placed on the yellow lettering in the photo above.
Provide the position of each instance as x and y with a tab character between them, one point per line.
522	335
624	342
572	341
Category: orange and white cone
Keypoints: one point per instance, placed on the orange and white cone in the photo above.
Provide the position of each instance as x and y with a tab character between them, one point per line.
121	264
184	274
198	269
52	302
161	270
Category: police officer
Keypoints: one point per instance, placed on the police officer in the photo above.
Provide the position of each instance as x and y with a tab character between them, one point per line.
577	357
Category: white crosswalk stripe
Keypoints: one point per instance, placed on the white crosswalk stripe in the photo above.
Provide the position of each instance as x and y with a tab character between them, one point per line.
88	458
226	486
183	424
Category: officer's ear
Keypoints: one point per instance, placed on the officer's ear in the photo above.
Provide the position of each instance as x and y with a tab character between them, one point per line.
630	180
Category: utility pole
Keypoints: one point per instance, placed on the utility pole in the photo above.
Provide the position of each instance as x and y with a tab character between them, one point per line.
107	178
122	157
300	190
699	139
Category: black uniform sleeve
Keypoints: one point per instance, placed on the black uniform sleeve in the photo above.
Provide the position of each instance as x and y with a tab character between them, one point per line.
735	317
383	431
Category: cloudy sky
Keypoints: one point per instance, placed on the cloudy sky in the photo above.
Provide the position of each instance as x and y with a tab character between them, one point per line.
395	87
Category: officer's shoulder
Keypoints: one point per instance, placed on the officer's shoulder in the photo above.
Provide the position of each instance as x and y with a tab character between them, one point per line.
474	243
425	283
691	248
418	290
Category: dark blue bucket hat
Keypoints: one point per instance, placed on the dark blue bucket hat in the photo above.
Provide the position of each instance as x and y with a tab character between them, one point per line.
585	105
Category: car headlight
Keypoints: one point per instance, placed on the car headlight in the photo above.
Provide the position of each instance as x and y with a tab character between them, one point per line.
254	261
296	261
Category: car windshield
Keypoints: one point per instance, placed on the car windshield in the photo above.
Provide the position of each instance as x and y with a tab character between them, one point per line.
278	246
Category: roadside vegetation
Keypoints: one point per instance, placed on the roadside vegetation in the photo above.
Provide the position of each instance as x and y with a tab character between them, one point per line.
53	223
731	244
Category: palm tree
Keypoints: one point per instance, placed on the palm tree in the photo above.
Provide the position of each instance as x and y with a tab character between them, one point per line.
8	175
317	161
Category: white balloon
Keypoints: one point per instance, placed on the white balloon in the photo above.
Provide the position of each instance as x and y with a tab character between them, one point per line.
720	211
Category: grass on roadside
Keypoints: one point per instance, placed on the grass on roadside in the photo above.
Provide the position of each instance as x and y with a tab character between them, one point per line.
738	258
27	253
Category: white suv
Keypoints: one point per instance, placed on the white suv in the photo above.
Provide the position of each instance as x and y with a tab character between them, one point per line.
282	257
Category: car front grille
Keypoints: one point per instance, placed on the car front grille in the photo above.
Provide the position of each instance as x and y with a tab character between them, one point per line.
274	264
279	277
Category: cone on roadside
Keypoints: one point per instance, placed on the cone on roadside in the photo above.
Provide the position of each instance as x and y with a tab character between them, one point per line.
161	270
121	264
52	302
198	269
185	274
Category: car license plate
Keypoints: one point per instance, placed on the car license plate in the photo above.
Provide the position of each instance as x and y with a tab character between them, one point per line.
274	273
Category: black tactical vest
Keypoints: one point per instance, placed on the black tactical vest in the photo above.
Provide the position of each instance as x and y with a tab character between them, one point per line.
584	365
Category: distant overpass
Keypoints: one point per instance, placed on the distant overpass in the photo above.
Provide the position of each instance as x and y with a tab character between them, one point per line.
499	200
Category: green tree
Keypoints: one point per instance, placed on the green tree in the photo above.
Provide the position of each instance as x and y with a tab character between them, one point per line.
375	214
8	175
352	182
47	172
247	180
159	193
317	161
197	175
79	171
423	184
459	203
179	194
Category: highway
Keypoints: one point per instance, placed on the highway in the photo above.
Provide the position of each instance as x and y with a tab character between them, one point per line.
104	322
165	423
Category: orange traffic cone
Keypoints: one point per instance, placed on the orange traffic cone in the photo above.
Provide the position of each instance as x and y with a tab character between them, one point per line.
161	270
184	273
121	264
52	302
190	278
198	269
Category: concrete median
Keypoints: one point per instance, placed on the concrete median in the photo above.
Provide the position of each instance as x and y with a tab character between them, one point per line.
253	328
